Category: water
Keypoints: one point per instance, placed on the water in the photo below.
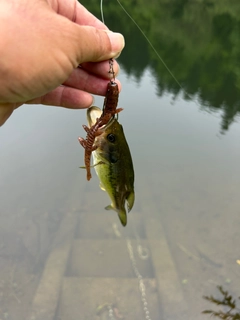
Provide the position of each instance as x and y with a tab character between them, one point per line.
186	159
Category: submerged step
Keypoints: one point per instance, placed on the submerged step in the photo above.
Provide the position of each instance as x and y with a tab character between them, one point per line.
94	298
104	258
104	224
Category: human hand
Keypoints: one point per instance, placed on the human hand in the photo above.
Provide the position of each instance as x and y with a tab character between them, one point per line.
42	42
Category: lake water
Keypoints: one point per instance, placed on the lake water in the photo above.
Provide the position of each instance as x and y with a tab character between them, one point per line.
187	180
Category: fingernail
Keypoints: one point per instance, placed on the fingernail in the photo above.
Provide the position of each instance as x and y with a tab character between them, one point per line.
117	55
117	42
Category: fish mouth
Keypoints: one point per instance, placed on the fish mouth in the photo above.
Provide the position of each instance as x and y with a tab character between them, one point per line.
94	113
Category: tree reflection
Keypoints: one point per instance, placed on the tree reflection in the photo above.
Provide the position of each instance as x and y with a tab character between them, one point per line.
198	40
227	303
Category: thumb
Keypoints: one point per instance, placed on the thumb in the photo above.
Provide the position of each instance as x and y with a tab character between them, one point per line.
93	45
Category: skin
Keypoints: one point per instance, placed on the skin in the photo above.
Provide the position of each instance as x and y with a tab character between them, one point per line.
42	43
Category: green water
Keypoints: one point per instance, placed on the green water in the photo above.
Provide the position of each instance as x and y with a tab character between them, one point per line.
184	144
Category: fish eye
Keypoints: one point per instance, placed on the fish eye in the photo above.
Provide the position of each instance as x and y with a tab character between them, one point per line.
111	137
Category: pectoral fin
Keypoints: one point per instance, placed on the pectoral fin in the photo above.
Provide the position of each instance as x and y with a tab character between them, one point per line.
109	207
94	165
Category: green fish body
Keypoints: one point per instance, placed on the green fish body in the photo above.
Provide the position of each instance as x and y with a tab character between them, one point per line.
113	164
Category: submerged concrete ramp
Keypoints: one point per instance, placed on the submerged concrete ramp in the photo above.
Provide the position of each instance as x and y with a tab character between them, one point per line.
94	298
108	272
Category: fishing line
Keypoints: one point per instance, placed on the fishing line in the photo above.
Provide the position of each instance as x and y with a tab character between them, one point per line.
142	251
101	9
151	45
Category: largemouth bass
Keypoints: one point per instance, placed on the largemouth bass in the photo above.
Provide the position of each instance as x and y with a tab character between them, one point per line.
113	164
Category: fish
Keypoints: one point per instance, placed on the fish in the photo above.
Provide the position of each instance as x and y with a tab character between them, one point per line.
113	164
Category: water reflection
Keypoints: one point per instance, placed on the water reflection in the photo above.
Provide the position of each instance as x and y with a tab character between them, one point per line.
229	308
62	253
199	41
187	183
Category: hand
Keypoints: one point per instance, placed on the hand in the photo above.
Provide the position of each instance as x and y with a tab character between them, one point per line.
42	43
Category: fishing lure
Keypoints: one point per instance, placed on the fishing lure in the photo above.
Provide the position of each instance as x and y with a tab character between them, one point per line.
109	111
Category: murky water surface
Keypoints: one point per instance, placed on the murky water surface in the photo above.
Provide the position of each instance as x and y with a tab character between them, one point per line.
61	252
